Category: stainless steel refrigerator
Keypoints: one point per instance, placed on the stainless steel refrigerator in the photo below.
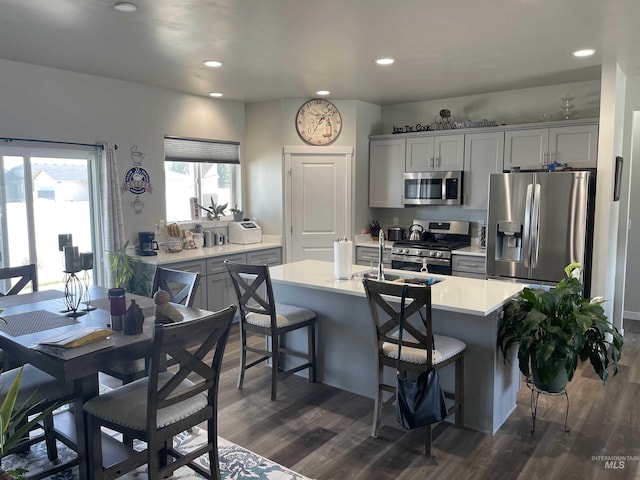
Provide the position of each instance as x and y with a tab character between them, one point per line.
538	223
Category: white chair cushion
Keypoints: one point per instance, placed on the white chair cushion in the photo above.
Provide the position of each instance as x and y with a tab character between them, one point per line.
36	386
127	405
285	315
446	347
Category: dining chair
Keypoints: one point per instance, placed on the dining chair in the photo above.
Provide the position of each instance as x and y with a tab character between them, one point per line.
182	287
24	274
156	408
259	313
38	393
421	351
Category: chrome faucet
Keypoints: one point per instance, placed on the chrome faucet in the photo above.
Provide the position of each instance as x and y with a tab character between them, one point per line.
380	256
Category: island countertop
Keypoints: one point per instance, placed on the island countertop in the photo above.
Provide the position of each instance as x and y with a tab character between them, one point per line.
455	294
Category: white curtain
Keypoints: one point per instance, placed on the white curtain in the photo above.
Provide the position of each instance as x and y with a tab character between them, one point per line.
112	236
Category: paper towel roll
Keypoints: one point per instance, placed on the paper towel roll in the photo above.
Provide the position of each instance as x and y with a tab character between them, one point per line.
342	259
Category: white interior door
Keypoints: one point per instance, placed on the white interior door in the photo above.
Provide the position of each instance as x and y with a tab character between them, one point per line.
318	200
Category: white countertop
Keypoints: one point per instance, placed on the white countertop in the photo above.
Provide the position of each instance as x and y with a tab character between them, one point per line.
164	258
374	244
456	294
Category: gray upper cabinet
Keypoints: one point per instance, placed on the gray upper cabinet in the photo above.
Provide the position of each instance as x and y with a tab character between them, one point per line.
533	149
386	170
435	153
483	155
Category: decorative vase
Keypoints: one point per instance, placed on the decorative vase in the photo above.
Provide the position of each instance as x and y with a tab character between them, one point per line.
133	320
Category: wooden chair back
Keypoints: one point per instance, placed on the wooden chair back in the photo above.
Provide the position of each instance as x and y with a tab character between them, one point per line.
189	344
181	286
384	304
24	274
252	284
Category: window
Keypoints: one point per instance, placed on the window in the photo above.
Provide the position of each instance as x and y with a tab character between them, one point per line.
203	169
45	190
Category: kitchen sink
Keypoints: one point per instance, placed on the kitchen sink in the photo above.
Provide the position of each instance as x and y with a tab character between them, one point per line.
391	277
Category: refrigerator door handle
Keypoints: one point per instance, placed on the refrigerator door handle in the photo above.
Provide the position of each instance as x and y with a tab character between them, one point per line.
535	227
526	235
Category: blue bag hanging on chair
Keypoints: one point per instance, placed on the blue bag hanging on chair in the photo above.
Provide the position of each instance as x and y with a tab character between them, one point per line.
421	401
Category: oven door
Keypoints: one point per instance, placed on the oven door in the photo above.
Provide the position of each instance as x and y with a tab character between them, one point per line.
439	266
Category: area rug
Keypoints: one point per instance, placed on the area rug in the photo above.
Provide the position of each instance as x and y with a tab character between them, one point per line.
236	463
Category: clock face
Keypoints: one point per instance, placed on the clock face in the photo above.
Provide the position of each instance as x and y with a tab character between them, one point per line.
318	122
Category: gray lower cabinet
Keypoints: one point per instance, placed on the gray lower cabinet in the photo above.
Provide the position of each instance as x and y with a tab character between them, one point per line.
468	266
368	256
215	290
219	287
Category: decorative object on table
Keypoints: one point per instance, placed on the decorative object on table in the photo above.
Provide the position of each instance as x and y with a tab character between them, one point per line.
86	263
117	307
189	244
318	122
74	289
373	228
165	312
133	320
137	180
237	214
419	402
556	327
64	240
567	107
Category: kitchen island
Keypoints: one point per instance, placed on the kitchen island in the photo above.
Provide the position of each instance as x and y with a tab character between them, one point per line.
465	308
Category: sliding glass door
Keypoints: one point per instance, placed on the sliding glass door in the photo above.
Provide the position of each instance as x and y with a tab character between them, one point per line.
46	191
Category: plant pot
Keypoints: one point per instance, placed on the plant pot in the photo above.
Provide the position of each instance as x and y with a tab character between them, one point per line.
555	385
237	216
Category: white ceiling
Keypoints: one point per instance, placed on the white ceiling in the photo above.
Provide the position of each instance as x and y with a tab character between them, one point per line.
275	49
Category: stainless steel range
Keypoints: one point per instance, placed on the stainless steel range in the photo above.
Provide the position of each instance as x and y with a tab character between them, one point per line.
432	253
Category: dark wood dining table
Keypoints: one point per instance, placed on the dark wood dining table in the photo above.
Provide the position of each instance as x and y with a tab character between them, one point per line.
34	317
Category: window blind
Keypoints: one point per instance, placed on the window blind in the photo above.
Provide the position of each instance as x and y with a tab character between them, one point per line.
177	149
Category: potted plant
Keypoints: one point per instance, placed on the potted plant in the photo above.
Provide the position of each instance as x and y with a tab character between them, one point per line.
556	327
125	273
14	425
237	214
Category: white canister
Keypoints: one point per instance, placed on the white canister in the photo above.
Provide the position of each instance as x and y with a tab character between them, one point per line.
198	240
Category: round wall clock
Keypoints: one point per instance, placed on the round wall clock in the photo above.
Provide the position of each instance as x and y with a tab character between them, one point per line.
318	122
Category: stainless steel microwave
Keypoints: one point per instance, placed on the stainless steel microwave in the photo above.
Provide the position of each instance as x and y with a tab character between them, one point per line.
433	188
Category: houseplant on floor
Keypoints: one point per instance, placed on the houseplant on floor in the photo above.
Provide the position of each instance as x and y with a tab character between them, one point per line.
13	427
554	328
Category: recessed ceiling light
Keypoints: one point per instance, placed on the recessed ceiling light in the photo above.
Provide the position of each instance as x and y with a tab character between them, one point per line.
215	94
212	63
125	7
587	52
385	61
323	92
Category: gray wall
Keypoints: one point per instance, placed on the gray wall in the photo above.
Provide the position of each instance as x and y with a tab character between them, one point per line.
48	104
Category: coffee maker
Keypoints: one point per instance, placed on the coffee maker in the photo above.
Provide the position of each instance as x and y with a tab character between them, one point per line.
147	246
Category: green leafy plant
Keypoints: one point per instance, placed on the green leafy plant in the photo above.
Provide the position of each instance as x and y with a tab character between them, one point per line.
235	209
215	211
125	273
122	266
13	421
554	328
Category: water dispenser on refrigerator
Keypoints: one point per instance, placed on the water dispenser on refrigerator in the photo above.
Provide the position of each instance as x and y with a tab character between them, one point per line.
509	241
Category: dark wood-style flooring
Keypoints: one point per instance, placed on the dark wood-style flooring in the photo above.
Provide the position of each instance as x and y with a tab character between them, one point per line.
323	432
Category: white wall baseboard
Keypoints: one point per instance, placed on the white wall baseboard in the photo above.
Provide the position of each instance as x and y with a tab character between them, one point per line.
631	315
